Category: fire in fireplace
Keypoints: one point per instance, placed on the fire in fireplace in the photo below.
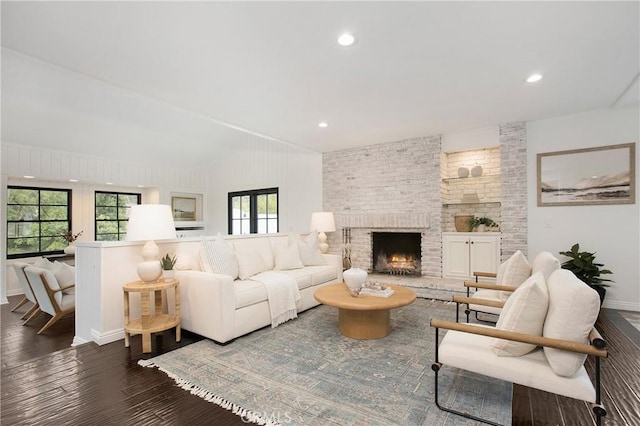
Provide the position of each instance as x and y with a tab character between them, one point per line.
396	253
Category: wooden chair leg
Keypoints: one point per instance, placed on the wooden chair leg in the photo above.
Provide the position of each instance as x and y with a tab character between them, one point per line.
20	303
52	321
34	314
30	311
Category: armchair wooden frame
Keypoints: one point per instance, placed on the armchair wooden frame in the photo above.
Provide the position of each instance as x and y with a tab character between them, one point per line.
468	300
58	311
596	348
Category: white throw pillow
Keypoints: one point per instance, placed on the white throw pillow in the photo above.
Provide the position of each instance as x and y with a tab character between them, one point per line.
64	273
250	263
513	272
310	253
186	262
573	310
287	258
546	263
44	264
523	312
204	260
221	257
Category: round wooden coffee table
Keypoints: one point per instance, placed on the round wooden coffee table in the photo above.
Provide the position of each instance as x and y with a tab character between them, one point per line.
363	317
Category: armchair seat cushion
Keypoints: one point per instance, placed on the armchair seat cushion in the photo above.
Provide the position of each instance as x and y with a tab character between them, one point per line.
473	353
68	301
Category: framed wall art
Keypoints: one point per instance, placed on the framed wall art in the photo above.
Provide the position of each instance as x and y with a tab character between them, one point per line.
600	175
184	208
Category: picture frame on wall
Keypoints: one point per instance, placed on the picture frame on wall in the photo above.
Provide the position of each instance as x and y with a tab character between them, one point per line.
589	176
183	208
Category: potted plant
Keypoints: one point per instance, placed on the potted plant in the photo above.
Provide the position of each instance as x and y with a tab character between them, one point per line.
583	265
168	263
481	223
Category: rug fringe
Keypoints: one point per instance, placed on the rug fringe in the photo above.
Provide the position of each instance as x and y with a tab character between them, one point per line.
247	415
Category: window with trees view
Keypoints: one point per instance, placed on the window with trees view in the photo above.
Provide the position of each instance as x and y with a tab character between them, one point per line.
37	219
253	212
112	214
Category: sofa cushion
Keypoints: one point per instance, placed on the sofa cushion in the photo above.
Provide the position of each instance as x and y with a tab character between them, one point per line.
310	253
573	310
487	294
249	292
261	245
513	272
187	262
65	275
221	257
523	312
287	257
250	263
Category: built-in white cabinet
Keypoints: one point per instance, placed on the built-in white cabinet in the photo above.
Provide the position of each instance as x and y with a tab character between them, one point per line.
466	252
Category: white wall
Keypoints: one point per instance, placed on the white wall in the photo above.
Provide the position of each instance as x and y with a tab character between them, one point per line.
612	231
253	164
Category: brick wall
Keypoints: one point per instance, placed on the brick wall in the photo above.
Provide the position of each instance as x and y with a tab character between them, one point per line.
369	188
513	153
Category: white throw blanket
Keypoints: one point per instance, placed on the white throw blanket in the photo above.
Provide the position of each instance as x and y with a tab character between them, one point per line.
282	295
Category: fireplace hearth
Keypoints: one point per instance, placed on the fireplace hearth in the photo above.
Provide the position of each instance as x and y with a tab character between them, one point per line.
396	253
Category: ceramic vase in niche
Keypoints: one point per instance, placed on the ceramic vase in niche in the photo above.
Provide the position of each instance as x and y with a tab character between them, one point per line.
476	171
70	249
463	172
354	278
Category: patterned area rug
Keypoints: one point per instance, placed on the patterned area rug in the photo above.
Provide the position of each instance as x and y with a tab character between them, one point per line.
306	372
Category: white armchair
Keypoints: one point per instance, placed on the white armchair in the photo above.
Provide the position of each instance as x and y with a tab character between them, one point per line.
541	340
53	299
511	274
34	311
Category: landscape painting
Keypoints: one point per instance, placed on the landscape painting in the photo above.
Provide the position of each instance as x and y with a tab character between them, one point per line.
601	175
184	208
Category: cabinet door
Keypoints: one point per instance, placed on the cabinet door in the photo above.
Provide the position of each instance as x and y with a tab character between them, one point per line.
455	256
484	254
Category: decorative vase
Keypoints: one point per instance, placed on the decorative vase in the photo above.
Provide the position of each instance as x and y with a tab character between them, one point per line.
476	171
168	274
354	278
463	172
70	249
482	228
462	223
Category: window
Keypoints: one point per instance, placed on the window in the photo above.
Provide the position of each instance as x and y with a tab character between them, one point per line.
36	220
253	212
112	214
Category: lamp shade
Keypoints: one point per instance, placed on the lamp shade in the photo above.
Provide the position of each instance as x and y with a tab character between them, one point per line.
150	222
322	222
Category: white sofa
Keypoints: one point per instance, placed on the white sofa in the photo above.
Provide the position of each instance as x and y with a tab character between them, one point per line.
221	308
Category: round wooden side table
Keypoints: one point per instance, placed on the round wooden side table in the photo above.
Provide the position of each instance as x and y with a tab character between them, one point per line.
150	322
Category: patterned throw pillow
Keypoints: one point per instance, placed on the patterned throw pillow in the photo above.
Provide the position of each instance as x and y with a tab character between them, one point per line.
220	257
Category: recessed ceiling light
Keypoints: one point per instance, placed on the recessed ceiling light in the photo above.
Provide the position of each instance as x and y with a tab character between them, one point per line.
346	39
73	180
109	183
29	177
323	124
140	186
534	77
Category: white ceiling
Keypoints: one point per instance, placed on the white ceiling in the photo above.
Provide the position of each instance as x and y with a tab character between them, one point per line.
114	78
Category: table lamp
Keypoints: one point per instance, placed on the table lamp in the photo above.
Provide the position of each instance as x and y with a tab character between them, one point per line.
149	222
322	222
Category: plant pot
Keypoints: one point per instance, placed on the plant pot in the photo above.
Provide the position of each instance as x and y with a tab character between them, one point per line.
70	249
481	228
462	223
602	292
168	274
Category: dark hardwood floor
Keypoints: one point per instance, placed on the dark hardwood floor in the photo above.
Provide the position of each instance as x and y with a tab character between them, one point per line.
45	381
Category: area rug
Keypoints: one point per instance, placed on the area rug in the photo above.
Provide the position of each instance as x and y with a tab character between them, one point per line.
304	372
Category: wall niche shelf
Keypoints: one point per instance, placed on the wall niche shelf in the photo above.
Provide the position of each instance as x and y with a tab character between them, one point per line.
471	179
475	203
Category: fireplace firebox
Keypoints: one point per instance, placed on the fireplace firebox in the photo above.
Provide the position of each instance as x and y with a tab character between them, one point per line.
396	253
